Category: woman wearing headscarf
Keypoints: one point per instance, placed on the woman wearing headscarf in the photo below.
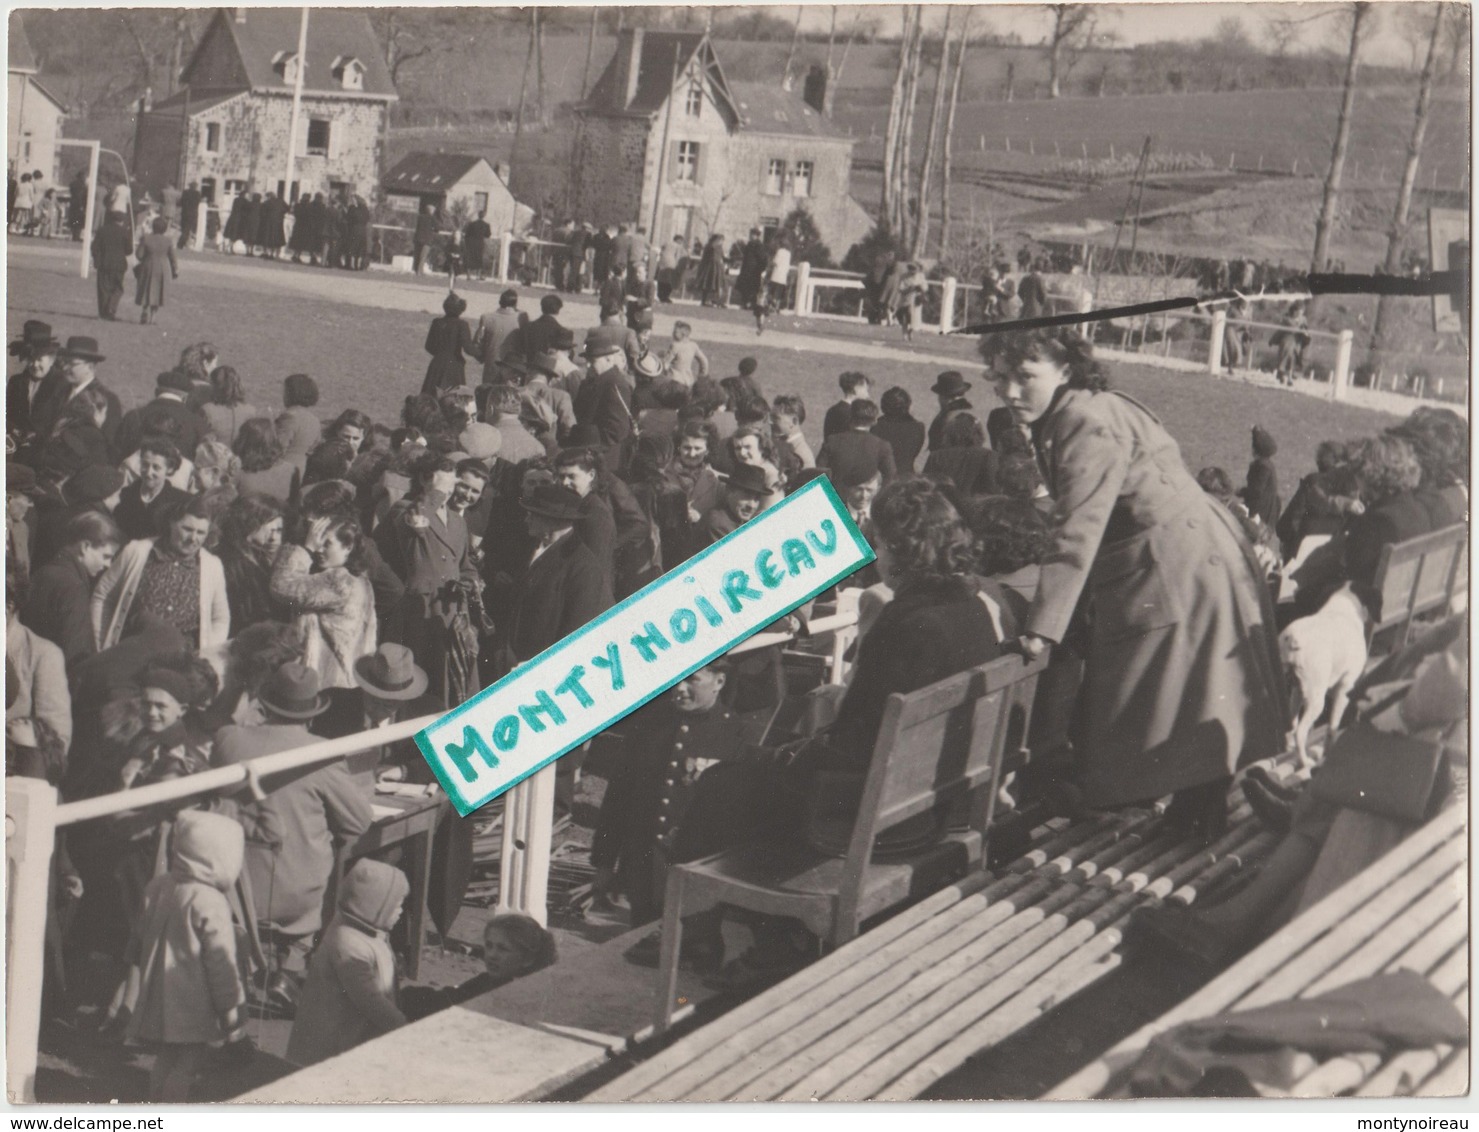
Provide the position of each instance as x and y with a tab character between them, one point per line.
251	536
1152	582
449	342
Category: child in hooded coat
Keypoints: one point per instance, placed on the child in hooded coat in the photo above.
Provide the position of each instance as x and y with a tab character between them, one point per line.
1261	493
191	993
350	994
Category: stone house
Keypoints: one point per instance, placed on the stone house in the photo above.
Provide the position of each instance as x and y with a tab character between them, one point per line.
228	127
446	180
34	114
665	141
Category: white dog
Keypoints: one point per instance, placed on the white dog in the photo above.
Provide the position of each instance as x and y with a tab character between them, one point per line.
1324	655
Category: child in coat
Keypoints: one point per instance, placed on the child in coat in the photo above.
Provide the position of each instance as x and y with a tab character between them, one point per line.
190	992
350	993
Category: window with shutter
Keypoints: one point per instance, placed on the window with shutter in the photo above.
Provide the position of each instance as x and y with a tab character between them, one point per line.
775	176
300	147
335	137
801	185
318	136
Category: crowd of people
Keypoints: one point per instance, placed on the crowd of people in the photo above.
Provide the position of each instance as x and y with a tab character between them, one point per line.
203	581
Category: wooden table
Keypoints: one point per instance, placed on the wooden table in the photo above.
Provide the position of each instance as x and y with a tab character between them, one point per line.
410	822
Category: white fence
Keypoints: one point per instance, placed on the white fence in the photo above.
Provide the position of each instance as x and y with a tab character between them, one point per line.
33	816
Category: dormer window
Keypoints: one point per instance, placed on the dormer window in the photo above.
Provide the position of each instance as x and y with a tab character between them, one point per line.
286	64
350	72
695	101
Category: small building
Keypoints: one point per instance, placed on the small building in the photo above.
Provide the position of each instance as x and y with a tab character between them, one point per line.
228	127
665	141
455	182
34	114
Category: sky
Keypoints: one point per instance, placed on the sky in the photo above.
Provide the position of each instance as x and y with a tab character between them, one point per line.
1144	23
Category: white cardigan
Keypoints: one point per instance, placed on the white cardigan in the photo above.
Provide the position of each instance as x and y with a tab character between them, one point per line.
113	597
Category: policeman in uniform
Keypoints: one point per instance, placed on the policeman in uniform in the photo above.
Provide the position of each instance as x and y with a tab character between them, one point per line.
662	751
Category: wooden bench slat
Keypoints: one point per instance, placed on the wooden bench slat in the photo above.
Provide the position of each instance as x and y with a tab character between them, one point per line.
1233	983
1400	1075
1297	973
829	966
1450	1080
1426	953
1386	945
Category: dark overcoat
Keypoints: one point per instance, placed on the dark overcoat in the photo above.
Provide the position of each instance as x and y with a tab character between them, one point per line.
156	262
563	589
449	341
1182	677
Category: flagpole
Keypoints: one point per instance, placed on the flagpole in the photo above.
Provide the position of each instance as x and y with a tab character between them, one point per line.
287	182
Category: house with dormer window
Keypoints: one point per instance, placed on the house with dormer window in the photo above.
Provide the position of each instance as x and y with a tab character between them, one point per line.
666	141
229	126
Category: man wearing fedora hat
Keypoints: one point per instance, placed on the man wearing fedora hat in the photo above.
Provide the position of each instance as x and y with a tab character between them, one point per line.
166	415
546	406
79	360
564	585
604	401
744	498
40	382
293	832
950	388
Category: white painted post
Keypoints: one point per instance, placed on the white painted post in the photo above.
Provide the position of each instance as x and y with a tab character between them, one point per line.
200	222
803	289
505	240
947	304
30	834
1214	348
1340	380
528	829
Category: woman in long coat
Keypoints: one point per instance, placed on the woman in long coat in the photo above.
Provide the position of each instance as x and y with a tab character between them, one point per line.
711	273
235	221
156	256
449	341
270	226
1153	583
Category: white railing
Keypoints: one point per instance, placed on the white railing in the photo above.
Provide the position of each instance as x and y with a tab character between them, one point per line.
33	817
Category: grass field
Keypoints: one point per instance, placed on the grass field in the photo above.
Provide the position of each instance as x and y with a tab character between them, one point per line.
371	358
1280	127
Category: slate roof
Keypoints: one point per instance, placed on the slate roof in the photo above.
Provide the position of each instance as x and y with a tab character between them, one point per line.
423	172
768	109
22	58
332	32
198	103
654	74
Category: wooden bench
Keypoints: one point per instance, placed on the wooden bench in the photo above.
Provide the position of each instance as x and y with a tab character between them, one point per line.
938	746
1420	576
889	1014
1408	910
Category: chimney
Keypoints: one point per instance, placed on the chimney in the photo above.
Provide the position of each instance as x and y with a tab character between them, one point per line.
241	15
814	90
504	171
633	66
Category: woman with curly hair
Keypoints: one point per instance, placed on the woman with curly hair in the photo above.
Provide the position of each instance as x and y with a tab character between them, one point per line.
324	588
227	408
450	343
251	536
351	426
265	468
1151	582
76	440
935	626
1389	472
963	457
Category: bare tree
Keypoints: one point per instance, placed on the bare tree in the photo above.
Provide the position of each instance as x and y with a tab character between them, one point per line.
888	205
791	55
1397	234
834	75
904	167
1325	225
1073	29
539	68
948	141
927	166
1281	33
401	46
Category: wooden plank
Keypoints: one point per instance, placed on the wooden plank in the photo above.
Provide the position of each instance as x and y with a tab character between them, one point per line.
887	1019
1233	983
1391	941
1298	971
839	962
1451	1079
1426	953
